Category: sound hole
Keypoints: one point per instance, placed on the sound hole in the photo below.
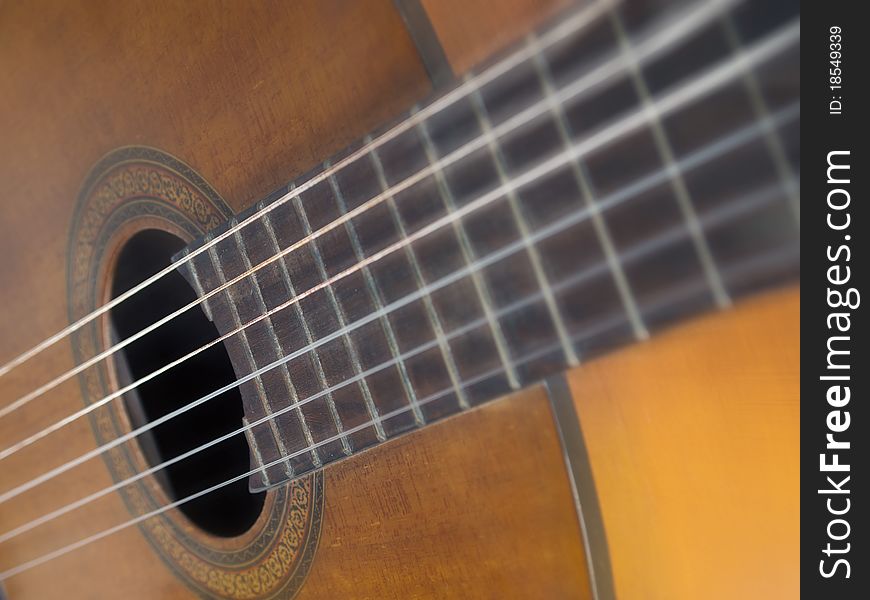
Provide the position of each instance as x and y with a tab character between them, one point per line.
231	510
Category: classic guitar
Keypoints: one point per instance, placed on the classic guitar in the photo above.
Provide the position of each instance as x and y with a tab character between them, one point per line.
523	324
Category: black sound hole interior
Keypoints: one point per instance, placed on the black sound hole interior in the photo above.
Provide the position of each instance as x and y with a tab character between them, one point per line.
231	510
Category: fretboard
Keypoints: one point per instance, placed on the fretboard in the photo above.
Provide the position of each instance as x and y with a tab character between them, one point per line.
626	171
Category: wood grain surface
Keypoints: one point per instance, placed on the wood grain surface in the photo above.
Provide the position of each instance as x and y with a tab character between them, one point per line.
249	94
692	438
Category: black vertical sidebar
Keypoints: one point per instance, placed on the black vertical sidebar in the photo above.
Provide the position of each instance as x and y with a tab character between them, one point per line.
834	368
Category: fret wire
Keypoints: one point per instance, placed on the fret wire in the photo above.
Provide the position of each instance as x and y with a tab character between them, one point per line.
255	450
339	314
267	322
519	220
515	306
434	320
249	434
249	355
200	292
691	287
673	32
276	346
175	503
694	160
576	22
759	105
721	215
300	315
579	170
666	153
725	213
775	43
101	310
378	303
469	256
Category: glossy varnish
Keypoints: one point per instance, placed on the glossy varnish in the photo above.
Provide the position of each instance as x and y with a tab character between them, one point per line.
247	95
477	506
380	322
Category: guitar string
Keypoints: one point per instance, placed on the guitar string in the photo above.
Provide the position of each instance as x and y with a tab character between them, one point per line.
772	259
698	158
529	175
716	218
577	89
609	204
672	101
573	24
667	32
389	415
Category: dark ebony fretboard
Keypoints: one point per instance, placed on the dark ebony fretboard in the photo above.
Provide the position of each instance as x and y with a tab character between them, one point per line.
662	189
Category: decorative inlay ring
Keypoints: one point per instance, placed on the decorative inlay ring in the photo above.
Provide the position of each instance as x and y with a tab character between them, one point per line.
131	189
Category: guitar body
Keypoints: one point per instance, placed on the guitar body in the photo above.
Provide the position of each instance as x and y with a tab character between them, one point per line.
689	441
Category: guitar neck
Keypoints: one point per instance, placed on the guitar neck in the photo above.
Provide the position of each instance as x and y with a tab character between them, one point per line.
610	177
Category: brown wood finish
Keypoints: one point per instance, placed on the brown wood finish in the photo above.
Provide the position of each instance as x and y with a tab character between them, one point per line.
251	95
693	439
480	507
440	513
485	27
